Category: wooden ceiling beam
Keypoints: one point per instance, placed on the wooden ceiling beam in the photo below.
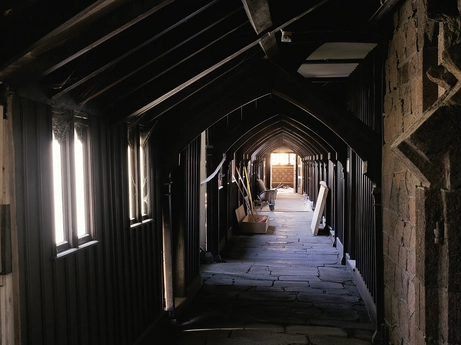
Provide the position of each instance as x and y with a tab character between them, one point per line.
258	13
147	67
150	96
76	39
125	45
162	89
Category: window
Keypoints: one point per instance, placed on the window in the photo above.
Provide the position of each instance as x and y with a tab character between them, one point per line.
283	158
71	182
138	174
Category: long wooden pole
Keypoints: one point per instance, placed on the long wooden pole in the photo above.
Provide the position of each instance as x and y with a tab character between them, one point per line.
245	188
241	192
248	186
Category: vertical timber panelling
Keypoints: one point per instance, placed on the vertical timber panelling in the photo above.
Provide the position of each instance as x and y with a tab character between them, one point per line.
192	190
365	101
106	293
340	206
331	211
366	90
365	239
36	243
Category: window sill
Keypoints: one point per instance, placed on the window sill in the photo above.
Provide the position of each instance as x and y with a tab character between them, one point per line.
137	225
74	250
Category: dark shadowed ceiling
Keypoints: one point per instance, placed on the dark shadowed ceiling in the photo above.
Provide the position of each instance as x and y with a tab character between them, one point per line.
147	59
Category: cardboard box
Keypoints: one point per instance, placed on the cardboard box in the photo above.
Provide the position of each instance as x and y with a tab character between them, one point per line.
257	225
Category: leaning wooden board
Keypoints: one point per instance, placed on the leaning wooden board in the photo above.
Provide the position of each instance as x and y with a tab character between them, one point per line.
319	206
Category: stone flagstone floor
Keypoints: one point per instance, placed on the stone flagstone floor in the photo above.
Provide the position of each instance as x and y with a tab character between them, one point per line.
282	287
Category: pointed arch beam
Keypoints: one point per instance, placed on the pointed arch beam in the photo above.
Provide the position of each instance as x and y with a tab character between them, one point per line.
307	137
267	131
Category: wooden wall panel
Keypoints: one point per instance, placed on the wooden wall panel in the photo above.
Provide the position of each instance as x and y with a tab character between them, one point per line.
283	174
191	196
107	293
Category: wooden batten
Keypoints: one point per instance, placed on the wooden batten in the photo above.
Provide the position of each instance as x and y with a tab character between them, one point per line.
9	288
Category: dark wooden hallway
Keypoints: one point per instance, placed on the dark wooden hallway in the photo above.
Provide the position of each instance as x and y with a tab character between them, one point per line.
133	132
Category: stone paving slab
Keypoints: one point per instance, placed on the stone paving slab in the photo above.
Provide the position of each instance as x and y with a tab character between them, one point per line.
241	341
334	274
322	298
319	284
269	337
267	295
323	340
271	327
294	271
317	330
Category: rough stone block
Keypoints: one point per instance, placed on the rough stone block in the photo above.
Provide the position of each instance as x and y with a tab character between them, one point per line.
399	231
410	117
405	99
412	209
420	304
403	75
395	336
388	102
417	96
411	296
403	282
385	243
394	248
387	304
386	194
403	253
388	156
411	263
400	42
399	197
405	324
395	310
392	124
389	273
411	35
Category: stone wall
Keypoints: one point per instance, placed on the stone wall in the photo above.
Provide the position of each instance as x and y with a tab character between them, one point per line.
403	103
420	131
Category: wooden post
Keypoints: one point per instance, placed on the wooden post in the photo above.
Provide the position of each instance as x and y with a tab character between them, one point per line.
167	249
9	282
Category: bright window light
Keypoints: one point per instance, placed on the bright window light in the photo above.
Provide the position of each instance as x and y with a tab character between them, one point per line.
143	182
57	188
80	186
130	180
284	158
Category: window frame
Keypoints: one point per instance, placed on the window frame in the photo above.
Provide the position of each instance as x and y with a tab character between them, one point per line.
73	125
139	178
